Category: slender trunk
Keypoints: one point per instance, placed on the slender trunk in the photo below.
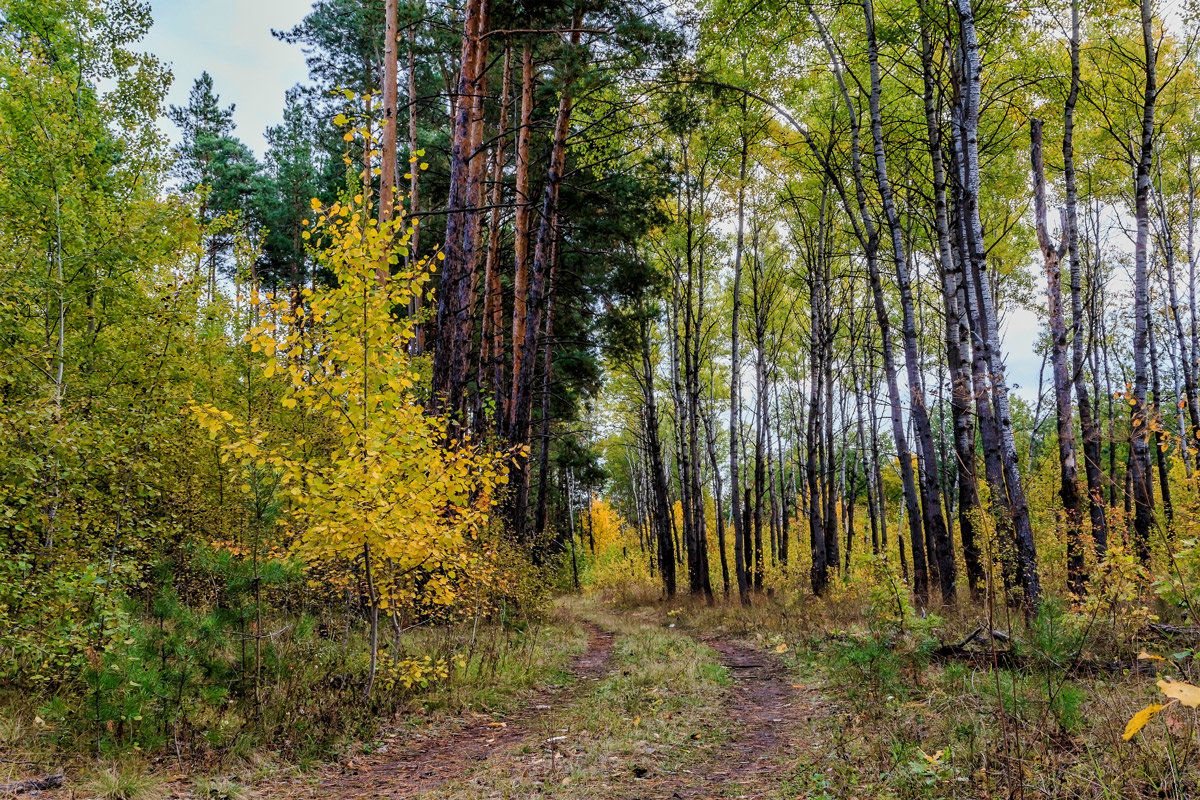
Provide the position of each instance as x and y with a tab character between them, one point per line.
547	370
930	492
760	477
711	440
387	164
1052	254
867	235
523	382
832	544
571	534
1027	567
523	221
1189	442
1158	445
876	461
785	481
862	452
1193	355
1139	434
819	575
1089	425
735	380
958	334
373	620
661	513
417	343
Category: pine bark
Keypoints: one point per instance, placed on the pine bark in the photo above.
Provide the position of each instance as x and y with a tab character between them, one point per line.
539	274
456	297
522	225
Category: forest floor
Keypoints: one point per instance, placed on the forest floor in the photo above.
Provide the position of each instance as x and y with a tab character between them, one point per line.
651	710
645	700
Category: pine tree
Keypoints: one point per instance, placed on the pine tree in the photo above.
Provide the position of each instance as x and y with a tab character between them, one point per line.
216	165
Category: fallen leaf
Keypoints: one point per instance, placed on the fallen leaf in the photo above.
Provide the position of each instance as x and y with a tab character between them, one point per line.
1185	693
1140	719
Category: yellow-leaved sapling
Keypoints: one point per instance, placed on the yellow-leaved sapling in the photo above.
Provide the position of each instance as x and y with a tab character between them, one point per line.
380	493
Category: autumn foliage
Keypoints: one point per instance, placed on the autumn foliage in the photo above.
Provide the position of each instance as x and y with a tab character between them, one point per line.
369	476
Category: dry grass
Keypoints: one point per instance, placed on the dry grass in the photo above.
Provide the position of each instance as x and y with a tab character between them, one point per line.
909	725
657	711
126	782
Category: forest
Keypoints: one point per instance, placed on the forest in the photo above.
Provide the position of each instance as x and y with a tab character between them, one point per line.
604	399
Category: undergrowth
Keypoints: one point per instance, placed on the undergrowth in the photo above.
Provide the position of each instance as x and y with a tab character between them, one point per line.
168	696
1037	710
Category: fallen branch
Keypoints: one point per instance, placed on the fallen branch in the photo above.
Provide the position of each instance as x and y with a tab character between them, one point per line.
33	784
947	650
980	658
1176	630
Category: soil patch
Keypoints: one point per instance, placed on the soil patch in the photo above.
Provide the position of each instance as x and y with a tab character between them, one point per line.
768	715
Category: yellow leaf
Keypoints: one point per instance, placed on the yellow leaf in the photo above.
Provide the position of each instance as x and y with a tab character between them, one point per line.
1144	656
1140	719
781	648
1185	693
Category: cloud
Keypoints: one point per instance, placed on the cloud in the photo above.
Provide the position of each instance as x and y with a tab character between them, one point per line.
232	40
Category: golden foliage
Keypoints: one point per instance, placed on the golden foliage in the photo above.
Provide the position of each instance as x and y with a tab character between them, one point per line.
371	478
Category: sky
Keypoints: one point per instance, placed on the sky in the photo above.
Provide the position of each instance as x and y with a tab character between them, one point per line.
251	69
232	40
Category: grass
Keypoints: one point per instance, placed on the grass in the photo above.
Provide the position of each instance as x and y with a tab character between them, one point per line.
907	726
500	660
126	783
656	712
888	721
218	788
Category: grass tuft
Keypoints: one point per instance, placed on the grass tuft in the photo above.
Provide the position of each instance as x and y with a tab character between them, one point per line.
216	788
119	783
